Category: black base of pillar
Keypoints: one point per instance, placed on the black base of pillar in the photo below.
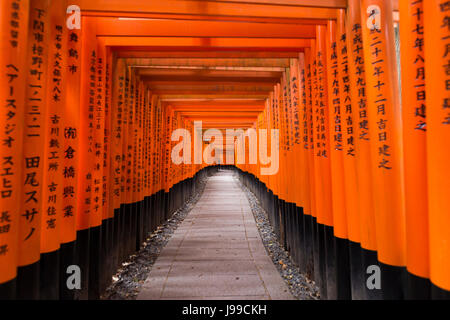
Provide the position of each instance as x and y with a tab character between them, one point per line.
28	278
116	240
370	258
82	261
49	281
417	288
8	290
393	280
67	257
439	293
106	254
309	245
357	278
330	262
343	284
95	272
316	250
133	233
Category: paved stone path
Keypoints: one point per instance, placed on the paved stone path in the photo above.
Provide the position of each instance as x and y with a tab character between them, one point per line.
216	253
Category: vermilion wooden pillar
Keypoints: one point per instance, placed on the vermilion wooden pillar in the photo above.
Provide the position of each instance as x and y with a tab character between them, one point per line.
32	162
308	144
413	92
122	252
85	152
361	226
437	35
13	75
322	164
338	122
385	143
297	87
70	170
53	192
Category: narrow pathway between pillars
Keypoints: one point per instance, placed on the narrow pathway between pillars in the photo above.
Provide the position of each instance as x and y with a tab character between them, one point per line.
216	252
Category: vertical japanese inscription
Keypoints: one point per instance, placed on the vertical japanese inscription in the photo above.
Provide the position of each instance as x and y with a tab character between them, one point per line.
70	137
444	7
117	127
295	82
376	53
320	103
98	137
34	133
349	141
419	66
358	62
335	99
106	180
52	192
90	132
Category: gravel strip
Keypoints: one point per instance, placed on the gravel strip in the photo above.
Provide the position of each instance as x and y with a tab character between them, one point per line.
299	285
128	280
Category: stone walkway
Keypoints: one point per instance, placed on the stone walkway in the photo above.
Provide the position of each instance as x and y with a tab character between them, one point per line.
216	253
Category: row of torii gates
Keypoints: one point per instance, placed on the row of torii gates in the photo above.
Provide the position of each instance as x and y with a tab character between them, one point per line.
92	90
